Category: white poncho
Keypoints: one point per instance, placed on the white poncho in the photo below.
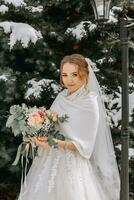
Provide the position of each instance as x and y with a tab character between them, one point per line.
81	127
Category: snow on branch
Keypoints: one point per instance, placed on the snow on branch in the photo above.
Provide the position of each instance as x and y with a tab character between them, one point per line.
3	78
21	32
113	100
113	17
114	106
34	9
80	30
117	9
3	9
105	60
131	151
16	3
35	88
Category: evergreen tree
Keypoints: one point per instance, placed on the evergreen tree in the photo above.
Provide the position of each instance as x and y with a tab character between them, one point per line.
35	35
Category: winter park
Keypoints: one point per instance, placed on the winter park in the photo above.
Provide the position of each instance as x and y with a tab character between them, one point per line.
43	46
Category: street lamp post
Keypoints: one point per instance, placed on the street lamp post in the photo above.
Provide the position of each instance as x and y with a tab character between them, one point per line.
101	10
124	193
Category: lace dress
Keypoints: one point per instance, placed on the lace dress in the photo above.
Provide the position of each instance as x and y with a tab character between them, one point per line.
59	174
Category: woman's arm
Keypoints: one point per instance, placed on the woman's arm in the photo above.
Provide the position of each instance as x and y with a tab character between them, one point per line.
42	141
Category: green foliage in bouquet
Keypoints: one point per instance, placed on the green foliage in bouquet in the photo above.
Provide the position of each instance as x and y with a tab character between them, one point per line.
17	120
33	122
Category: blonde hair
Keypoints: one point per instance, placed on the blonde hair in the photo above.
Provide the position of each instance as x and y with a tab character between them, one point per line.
76	59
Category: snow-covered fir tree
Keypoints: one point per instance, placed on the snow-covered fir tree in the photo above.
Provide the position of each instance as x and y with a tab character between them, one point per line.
35	35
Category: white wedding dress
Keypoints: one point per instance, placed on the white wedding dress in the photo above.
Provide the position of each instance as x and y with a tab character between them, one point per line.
58	174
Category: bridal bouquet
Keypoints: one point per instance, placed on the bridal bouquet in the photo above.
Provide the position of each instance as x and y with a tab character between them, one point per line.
33	122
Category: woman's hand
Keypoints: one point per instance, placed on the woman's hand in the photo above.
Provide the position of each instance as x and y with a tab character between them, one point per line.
41	141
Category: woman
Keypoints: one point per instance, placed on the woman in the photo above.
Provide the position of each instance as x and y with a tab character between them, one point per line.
83	167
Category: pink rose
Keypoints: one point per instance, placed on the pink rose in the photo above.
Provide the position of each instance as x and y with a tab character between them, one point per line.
36	118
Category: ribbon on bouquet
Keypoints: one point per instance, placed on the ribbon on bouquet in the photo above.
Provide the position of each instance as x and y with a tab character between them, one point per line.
18	154
24	150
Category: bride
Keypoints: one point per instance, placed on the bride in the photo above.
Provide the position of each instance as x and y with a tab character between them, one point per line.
83	167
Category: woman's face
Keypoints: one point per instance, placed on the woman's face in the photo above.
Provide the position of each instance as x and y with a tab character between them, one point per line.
71	78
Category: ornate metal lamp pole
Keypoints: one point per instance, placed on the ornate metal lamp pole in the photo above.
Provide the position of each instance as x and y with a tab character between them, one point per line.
101	10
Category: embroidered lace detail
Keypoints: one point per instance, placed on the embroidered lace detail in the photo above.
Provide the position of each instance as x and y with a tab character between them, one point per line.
81	178
42	174
80	169
53	173
69	165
